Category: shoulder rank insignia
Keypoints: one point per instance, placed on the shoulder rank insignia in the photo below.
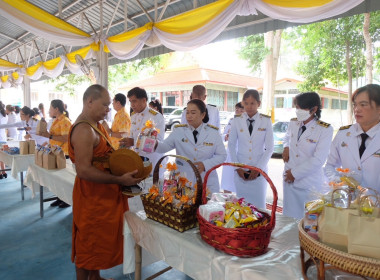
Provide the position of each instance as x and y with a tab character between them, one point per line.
266	116
294	119
212	105
180	125
345	127
133	113
236	116
153	112
321	123
213	126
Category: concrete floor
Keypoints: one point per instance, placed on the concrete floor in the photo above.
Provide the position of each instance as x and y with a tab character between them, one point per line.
34	248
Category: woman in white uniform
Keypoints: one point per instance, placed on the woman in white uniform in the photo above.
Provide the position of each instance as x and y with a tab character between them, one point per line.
198	141
306	147
357	146
3	136
251	142
12	118
227	182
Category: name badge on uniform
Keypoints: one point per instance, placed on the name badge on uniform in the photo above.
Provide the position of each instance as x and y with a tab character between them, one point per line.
185	140
376	155
241	130
344	144
261	129
311	141
208	144
134	123
178	162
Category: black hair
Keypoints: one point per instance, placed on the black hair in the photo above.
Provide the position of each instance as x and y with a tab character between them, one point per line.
17	109
139	93
121	98
27	111
10	108
41	106
2	109
373	91
57	103
252	93
308	100
202	107
239	105
156	104
94	91
199	91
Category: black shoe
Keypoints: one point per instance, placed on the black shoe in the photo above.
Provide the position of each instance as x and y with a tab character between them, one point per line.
64	205
1	176
5	175
56	203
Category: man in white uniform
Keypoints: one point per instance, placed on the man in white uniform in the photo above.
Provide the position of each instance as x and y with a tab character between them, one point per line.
199	92
141	113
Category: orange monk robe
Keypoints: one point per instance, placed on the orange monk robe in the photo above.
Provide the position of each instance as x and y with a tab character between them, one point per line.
61	126
121	123
98	209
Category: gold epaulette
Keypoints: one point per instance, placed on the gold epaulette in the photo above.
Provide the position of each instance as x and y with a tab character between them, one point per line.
321	123
236	116
153	112
180	125
265	116
345	127
213	126
133	113
294	119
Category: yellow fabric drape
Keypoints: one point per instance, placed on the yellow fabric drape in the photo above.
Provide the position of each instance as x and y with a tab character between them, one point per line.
298	3
194	19
43	16
15	76
51	64
82	52
4	78
130	34
6	63
32	69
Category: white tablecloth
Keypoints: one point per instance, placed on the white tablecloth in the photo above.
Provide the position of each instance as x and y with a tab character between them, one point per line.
17	163
60	182
188	253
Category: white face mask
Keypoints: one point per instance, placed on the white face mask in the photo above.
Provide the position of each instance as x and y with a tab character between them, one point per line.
302	115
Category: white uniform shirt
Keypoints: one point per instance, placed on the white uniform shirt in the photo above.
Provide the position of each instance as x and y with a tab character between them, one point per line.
209	149
32	123
3	135
307	155
213	115
255	149
137	123
344	153
12	131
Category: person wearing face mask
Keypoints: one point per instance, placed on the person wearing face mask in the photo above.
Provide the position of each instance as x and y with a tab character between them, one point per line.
251	142
198	141
357	146
306	147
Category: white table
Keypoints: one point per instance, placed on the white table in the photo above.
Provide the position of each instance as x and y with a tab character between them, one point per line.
60	182
188	253
18	164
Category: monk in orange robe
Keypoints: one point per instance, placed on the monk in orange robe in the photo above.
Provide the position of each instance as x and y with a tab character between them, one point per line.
98	204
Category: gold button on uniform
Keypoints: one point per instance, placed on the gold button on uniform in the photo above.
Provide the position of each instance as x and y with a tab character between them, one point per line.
250	150
250	158
296	155
359	168
195	149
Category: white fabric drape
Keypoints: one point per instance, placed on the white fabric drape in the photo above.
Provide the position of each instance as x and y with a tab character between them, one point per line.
305	15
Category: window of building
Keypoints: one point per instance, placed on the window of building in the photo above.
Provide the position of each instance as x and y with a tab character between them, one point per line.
215	97
339	104
343	104
280	92
279	102
293	91
325	102
232	99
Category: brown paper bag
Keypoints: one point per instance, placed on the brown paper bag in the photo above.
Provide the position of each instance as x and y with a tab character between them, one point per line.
333	227
24	147
49	160
32	146
41	127
61	159
363	236
40	154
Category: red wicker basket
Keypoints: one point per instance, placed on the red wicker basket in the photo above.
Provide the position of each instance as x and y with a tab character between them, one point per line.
241	242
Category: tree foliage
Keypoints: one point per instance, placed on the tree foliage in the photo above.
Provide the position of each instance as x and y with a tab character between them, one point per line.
253	50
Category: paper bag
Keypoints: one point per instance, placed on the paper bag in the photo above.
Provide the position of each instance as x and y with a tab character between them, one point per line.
333	227
38	156
49	160
60	158
32	146
363	236
24	147
41	127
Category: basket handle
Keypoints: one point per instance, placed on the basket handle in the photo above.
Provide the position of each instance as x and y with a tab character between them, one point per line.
197	175
274	190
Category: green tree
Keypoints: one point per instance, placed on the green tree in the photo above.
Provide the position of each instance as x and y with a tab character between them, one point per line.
253	50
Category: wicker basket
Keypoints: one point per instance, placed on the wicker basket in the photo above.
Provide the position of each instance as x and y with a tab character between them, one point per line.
321	254
241	242
179	219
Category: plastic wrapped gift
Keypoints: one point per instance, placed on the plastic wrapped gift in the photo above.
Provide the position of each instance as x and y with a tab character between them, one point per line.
147	139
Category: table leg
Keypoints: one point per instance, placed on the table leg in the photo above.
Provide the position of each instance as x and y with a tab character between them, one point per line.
138	257
321	270
22	184
41	201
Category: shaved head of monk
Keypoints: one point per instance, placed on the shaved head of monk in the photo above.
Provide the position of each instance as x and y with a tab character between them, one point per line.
96	102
